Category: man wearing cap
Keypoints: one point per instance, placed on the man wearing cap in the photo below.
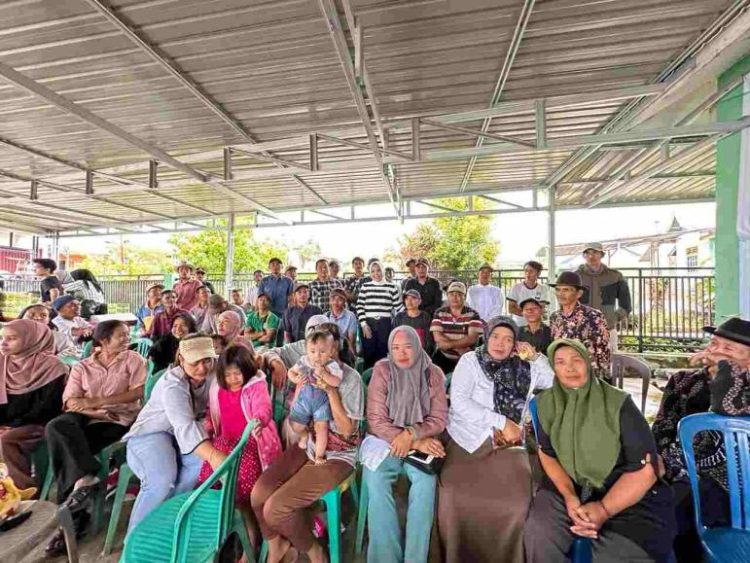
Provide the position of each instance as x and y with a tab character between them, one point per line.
418	320
456	328
278	360
277	287
604	289
429	288
162	323
721	384
200	275
411	266
321	286
485	298
535	332
152	305
580	322
296	316
343	317
186	288
251	293
262	323
354	282
69	323
530	287
216	306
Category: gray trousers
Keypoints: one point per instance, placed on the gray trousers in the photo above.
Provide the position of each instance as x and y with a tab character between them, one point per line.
548	539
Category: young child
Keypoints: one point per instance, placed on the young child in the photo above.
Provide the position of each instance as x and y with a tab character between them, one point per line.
238	395
311	402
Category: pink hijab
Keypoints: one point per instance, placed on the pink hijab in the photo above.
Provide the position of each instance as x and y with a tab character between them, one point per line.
35	366
234	334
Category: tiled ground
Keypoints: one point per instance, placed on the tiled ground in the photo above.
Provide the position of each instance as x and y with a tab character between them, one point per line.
91	548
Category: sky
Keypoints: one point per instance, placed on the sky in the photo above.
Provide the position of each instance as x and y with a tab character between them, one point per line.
520	235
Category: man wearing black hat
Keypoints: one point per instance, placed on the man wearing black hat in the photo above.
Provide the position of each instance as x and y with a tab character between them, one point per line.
722	385
580	322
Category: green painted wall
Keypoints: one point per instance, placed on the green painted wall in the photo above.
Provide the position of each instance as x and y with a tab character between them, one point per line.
727	180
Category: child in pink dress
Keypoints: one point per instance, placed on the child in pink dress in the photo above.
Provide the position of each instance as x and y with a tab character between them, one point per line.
239	395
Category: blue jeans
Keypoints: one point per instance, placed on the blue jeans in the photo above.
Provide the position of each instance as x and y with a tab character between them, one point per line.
386	541
156	461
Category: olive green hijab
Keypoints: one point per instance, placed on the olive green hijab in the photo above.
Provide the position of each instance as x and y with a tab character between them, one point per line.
583	424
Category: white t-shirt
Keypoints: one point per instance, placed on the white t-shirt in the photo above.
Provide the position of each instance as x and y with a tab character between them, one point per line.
487	300
519	293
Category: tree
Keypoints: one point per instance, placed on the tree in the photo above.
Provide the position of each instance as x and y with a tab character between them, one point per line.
453	243
124	259
208	249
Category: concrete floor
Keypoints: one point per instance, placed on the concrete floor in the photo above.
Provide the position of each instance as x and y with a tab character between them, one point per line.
91	547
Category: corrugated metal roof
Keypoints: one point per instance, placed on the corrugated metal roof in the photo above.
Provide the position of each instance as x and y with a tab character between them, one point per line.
273	68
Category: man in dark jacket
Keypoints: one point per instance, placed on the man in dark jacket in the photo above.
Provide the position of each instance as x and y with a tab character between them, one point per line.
429	288
604	289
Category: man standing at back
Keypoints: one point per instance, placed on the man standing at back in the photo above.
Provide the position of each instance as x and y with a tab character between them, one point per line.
50	287
529	288
296	316
186	288
277	287
411	266
580	322
321	286
485	298
604	289
429	288
251	295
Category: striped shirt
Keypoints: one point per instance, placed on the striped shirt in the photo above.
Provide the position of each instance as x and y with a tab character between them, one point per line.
456	327
378	299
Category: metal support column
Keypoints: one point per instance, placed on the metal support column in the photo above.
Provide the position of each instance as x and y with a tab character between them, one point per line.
56	246
228	273
551	234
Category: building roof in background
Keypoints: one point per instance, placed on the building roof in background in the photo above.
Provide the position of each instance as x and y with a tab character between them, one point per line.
151	117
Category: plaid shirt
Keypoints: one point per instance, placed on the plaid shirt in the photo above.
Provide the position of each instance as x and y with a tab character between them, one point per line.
320	293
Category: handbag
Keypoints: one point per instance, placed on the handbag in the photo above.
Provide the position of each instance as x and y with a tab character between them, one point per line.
425	462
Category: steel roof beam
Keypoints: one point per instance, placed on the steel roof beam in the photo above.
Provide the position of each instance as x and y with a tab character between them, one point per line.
510	57
475	133
37	89
163	60
330	12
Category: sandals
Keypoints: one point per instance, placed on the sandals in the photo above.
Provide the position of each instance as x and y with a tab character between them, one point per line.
77	499
57	545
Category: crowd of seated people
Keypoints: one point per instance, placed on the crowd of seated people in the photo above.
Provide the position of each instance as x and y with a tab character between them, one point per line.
441	396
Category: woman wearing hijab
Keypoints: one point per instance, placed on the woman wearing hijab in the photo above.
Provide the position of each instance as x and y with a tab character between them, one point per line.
406	410
485	486
377	303
229	324
32	380
600	465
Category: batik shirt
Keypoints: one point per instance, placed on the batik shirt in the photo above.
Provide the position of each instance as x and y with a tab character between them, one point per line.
690	392
590	327
320	293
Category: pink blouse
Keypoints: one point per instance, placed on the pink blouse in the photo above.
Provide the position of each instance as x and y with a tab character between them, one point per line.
232	418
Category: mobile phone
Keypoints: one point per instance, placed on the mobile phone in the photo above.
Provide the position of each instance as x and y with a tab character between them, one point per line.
14	521
421	457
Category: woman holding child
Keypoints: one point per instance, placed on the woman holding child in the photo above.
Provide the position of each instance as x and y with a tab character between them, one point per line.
294	482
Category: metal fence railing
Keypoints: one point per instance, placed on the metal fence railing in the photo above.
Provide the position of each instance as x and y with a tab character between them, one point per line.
670	305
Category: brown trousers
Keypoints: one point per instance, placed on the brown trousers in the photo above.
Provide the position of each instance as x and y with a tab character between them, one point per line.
16	446
291	484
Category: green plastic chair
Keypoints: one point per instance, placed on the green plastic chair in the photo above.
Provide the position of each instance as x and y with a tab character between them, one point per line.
192	527
125	474
366	375
69	360
88	348
359	365
143	346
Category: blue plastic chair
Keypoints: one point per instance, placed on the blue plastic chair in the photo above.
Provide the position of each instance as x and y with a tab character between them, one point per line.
723	544
580	551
